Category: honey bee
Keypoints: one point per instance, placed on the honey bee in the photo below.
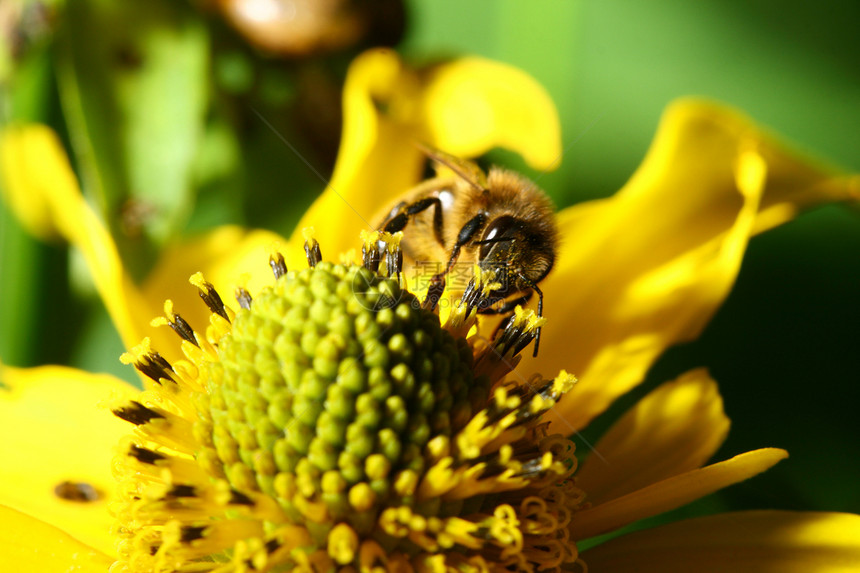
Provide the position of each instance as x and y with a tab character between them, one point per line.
498	220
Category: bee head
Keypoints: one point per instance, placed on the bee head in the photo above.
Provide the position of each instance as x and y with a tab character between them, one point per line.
520	252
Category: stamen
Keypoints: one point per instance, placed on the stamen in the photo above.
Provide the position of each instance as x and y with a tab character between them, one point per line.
243	297
177	323
144	455
181	490
209	295
312	247
370	255
393	253
330	424
278	264
478	292
136	413
519	330
149	363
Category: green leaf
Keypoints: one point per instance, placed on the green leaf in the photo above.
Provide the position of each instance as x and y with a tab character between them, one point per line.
133	83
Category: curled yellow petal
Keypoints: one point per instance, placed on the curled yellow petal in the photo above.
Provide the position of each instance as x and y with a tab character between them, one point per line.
465	107
674	429
227	256
474	104
647	268
742	542
33	168
28	544
671	493
58	466
377	158
37	175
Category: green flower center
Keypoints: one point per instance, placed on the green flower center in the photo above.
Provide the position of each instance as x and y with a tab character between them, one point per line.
331	384
331	423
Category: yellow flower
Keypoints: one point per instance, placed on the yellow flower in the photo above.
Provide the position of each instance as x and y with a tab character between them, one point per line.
492	486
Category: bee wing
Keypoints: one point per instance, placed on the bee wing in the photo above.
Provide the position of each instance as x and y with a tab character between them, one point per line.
469	171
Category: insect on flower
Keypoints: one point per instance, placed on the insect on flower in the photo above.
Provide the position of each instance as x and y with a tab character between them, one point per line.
499	221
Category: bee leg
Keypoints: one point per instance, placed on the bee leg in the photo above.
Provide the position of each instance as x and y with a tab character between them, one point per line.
508	305
511	305
434	292
469	230
535	288
437	283
399	221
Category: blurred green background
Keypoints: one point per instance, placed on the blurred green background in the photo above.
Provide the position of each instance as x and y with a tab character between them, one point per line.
784	347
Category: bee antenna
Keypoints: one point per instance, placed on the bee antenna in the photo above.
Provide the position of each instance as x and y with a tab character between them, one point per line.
466	170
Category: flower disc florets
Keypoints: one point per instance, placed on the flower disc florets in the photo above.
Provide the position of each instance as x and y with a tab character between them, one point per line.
332	383
331	423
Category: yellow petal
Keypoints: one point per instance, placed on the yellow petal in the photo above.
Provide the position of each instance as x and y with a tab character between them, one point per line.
21	174
465	107
671	493
647	268
377	157
674	429
56	430
228	257
36	170
743	542
473	104
28	544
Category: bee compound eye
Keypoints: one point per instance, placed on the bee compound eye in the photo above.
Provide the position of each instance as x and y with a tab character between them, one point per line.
500	230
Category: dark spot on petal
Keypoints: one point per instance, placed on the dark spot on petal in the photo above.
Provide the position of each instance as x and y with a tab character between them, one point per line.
76	491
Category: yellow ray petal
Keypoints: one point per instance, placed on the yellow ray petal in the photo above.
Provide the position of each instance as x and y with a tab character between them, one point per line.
465	107
228	257
674	429
671	493
36	169
474	104
647	268
28	544
62	433
743	542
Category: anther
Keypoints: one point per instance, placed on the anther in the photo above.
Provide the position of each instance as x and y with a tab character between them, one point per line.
243	297
181	327
209	295
192	533
239	498
278	264
394	261
370	255
136	413
312	247
145	455
181	490
155	367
